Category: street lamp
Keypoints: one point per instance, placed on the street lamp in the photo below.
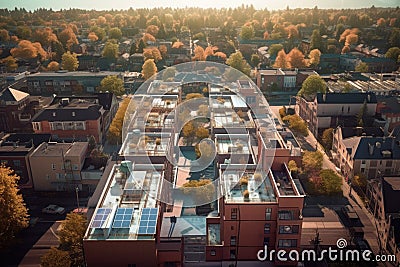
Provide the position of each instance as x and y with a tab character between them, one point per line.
77	197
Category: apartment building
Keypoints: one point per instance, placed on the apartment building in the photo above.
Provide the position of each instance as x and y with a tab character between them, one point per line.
57	166
365	151
282	79
77	118
332	109
381	192
145	218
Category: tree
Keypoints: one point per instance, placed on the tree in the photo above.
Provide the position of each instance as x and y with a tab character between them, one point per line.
53	66
362	115
69	61
274	49
147	37
362	67
352	38
112	84
202	190
177	44
10	62
13	212
247	32
265	35
168	73
149	68
152	29
193	95
100	32
24	32
152	53
394	38
327	138
296	124
55	258
203	110
27	50
110	51
345	49
331	183
45	36
314	56
255	60
292	166
115	33
281	60
202	133
141	46
91	143
163	50
71	235
312	85
93	37
312	161
296	59
188	129
4	36
199	54
115	131
237	61
67	37
393	53
316	40
360	180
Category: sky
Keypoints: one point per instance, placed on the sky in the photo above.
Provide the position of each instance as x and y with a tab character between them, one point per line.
126	4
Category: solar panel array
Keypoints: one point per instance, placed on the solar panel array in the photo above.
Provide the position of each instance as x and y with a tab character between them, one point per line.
100	217
148	221
123	218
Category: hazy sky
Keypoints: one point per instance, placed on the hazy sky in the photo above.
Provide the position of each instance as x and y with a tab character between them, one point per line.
125	4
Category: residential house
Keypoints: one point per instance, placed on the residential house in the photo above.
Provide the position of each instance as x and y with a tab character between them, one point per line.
66	83
282	79
382	194
333	109
389	109
365	152
57	166
77	118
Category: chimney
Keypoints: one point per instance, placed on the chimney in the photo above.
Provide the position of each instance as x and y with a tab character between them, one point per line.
369	98
54	114
324	97
73	113
371	149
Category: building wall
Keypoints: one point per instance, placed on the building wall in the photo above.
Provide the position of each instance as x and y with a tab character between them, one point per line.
343	109
20	166
120	253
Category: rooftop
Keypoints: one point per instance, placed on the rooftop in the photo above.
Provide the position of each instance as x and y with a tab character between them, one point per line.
12	95
391	191
346	98
53	149
73	74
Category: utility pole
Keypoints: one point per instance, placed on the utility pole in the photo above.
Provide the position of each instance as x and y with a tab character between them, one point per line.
77	197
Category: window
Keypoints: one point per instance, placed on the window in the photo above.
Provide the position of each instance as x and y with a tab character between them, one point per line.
233	240
36	126
53	166
234	214
289	229
68	125
286	215
213	252
80	125
268	212
47	176
266	241
267	228
362	170
348	109
363	161
17	163
287	243
233	254
389	163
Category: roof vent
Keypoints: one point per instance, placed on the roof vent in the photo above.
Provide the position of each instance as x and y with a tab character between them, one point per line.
371	149
73	113
324	97
369	98
378	145
54	114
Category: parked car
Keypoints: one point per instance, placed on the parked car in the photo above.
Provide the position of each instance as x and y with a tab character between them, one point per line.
53	209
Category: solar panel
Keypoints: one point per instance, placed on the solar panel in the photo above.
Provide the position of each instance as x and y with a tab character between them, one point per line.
100	217
123	218
148	221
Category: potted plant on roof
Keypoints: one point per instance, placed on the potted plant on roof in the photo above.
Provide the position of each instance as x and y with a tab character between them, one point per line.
257	177
246	195
158	142
244	181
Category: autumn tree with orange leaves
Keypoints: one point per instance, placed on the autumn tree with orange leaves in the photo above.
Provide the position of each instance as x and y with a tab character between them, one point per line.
28	50
281	60
295	58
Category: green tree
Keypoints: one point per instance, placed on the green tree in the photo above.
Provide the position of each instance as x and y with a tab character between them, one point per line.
274	49
362	115
149	68
327	138
393	53
247	32
331	183
69	61
112	84
110	51
362	67
312	161
237	61
71	235
255	60
55	258
360	180
13	212
296	124
312	85
115	33
292	166
316	40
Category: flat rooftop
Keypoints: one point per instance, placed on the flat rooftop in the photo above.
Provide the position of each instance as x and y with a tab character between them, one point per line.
73	74
53	149
128	206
